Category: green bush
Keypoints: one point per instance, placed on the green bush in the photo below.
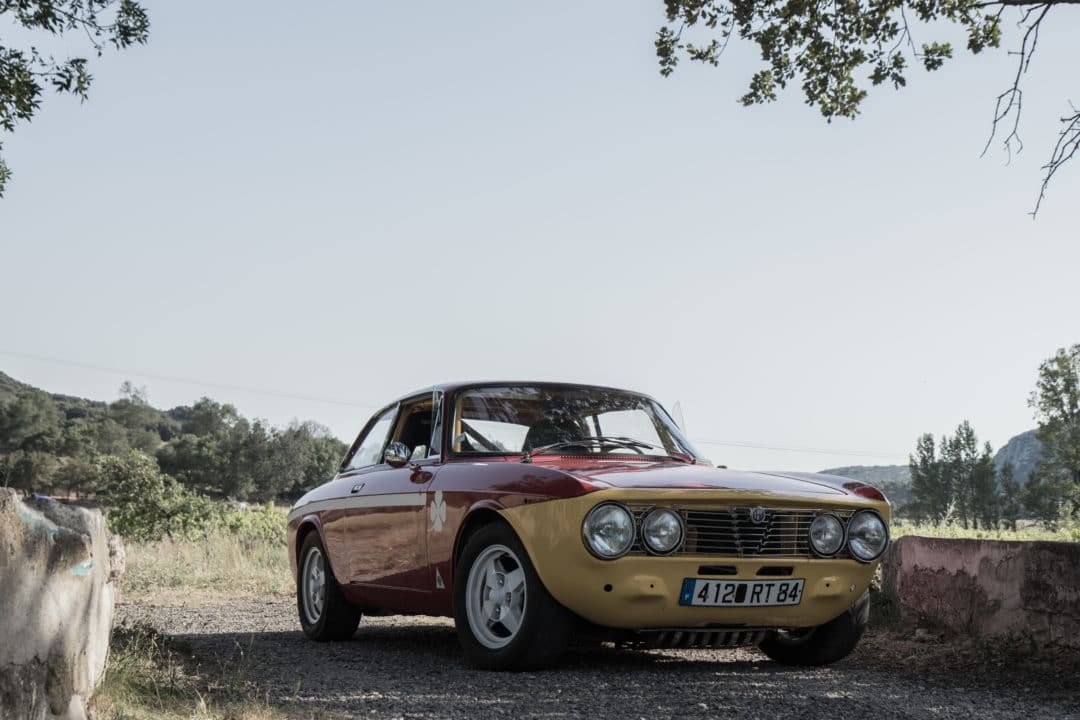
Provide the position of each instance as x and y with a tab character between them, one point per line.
259	523
144	504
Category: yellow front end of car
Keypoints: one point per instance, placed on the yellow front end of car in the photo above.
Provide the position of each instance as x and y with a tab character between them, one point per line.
645	590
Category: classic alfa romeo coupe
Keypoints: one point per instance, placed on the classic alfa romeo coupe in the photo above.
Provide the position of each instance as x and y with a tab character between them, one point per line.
537	513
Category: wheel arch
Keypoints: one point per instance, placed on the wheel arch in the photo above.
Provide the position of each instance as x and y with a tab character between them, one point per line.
479	516
308	525
305	528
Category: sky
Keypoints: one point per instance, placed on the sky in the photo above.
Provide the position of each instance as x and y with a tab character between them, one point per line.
309	210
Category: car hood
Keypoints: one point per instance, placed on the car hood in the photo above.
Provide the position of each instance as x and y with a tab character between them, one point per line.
665	474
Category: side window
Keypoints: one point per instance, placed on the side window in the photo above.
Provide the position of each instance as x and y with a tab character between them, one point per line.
415	426
370	450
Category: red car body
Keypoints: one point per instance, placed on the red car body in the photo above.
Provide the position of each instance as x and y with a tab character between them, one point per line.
393	534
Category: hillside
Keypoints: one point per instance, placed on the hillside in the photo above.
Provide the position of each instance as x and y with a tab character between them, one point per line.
10	387
54	444
93	411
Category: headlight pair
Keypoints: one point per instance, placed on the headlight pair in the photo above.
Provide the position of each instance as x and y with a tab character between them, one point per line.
609	530
866	535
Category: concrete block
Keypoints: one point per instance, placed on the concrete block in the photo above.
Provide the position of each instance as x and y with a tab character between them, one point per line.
988	588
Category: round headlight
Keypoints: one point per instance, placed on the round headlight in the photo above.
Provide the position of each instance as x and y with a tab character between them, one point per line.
826	534
867	535
609	530
662	530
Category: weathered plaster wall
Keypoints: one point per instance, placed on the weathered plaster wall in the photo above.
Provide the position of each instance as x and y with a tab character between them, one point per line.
988	588
58	573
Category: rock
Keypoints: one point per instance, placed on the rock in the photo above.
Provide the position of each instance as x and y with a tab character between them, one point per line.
59	569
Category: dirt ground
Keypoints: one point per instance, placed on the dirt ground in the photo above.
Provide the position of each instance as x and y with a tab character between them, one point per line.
400	667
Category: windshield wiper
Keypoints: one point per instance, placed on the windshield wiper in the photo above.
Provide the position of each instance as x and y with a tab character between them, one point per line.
602	440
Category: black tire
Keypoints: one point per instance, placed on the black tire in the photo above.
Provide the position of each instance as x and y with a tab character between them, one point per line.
823	644
336	619
545	625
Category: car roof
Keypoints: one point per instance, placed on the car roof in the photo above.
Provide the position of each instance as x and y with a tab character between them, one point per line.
450	387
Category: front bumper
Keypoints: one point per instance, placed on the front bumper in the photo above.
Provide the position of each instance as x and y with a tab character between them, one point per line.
640	592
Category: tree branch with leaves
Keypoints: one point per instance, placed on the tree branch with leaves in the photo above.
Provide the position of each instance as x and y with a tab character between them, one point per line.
26	72
838	49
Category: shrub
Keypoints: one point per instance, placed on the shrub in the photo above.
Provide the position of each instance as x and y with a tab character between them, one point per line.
144	504
260	523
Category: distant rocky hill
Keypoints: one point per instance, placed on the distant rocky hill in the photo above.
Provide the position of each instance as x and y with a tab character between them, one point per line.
1023	451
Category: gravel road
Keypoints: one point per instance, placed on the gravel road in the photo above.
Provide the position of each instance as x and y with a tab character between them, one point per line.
410	668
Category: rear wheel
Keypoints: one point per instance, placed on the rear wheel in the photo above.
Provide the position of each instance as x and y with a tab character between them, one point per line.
505	617
325	614
823	644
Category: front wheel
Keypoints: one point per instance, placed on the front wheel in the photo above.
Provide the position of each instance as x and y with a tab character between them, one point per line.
325	614
823	644
505	617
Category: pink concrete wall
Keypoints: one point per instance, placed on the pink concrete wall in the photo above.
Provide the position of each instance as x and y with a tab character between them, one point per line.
987	588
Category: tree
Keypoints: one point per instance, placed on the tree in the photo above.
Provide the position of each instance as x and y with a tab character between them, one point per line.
139	419
955	481
986	502
836	50
29	470
1056	401
193	461
30	422
1010	495
210	418
929	494
1044	495
24	73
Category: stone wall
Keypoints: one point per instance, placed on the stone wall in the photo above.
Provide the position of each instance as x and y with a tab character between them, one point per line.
58	572
988	588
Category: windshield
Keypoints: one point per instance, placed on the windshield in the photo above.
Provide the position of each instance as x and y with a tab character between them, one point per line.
524	418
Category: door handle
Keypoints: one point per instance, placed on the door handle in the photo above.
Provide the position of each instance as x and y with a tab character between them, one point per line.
356	488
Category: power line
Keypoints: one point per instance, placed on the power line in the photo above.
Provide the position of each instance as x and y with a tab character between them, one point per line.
820	451
328	401
183	380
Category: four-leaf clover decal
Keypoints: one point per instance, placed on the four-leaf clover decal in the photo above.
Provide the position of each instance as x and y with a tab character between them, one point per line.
437	511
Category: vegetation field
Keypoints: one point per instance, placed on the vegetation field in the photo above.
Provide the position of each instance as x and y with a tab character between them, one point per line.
219	568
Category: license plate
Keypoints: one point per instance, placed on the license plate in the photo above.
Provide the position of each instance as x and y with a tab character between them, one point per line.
740	593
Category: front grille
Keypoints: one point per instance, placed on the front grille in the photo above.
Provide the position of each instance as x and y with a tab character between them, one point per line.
732	532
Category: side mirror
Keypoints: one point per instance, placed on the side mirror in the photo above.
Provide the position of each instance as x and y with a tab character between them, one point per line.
396	455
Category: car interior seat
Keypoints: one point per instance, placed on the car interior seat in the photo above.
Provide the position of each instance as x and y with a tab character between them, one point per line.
553	430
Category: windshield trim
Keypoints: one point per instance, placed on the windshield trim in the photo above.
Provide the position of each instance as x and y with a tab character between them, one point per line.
453	399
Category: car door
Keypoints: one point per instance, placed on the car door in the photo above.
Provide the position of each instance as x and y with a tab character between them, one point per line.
363	459
386	531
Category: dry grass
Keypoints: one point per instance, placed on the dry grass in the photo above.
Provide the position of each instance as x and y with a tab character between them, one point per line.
1063	532
148	679
150	676
219	568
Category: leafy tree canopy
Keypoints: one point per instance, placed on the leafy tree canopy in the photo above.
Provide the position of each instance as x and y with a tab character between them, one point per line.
26	72
955	480
837	49
1056	402
29	422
